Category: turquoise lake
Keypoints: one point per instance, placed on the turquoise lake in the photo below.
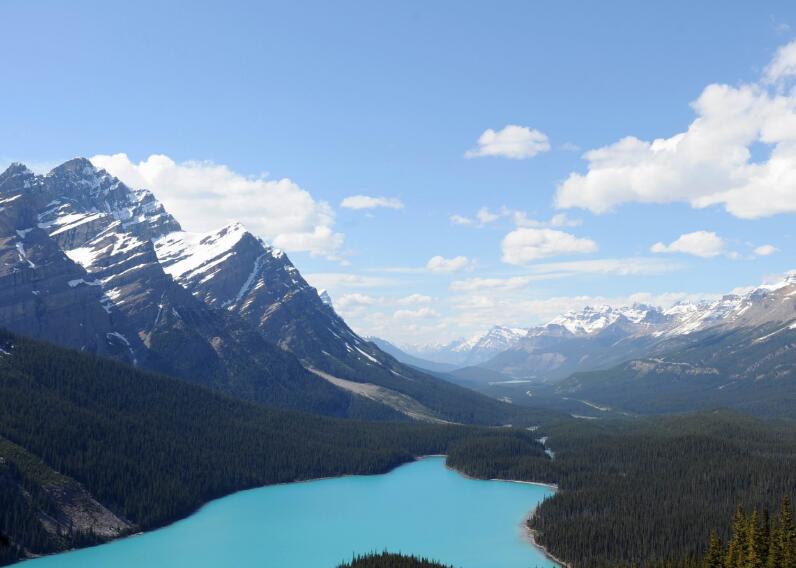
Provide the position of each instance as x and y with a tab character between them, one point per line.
420	508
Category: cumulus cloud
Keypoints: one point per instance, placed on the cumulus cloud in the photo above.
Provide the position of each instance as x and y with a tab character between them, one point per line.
370	202
710	163
765	250
420	313
355	299
205	195
524	245
442	264
704	244
413	299
341	281
515	142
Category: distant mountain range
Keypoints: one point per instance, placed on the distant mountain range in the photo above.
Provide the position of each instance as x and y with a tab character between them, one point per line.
94	265
469	351
600	337
739	352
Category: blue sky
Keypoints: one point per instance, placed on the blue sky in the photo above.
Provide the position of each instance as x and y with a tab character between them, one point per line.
275	114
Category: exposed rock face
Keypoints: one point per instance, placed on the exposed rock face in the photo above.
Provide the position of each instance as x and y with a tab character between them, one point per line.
232	269
80	269
42	292
92	264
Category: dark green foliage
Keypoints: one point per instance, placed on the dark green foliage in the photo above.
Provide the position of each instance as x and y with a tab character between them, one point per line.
501	455
652	490
153	449
635	492
390	560
18	516
748	546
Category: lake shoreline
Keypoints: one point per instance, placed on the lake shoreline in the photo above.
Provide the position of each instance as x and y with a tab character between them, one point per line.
414	459
528	532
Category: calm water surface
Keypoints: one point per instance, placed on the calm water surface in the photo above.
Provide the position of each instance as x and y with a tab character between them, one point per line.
420	508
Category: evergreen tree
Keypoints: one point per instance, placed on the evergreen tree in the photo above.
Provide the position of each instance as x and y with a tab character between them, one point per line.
774	559
754	557
714	558
787	535
737	549
764	536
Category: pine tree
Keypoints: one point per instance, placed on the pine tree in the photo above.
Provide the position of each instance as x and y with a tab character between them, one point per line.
787	535
736	550
754	558
764	536
774	559
714	558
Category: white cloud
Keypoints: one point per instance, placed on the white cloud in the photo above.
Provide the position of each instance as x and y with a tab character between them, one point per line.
485	216
460	220
205	195
765	250
355	299
710	163
455	264
524	245
420	313
340	280
413	299
633	266
521	219
478	284
783	65
704	244
516	142
370	202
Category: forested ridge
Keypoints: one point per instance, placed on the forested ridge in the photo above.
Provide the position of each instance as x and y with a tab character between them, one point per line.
636	492
153	449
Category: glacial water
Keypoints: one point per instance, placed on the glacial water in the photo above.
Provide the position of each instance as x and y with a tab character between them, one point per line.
421	508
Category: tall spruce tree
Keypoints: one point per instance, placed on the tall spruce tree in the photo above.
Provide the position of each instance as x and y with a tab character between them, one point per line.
737	548
714	558
754	557
787	535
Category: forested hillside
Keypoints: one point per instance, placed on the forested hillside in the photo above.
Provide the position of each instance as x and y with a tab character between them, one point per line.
118	433
635	492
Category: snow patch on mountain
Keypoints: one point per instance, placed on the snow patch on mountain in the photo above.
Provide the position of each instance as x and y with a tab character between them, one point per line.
183	255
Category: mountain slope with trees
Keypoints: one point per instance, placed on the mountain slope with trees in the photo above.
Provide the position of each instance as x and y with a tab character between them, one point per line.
69	419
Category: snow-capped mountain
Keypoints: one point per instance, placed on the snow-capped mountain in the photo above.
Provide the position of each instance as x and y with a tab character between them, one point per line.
81	270
472	350
738	351
233	270
92	264
598	337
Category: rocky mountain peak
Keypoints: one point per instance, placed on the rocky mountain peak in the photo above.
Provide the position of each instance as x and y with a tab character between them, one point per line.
75	167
